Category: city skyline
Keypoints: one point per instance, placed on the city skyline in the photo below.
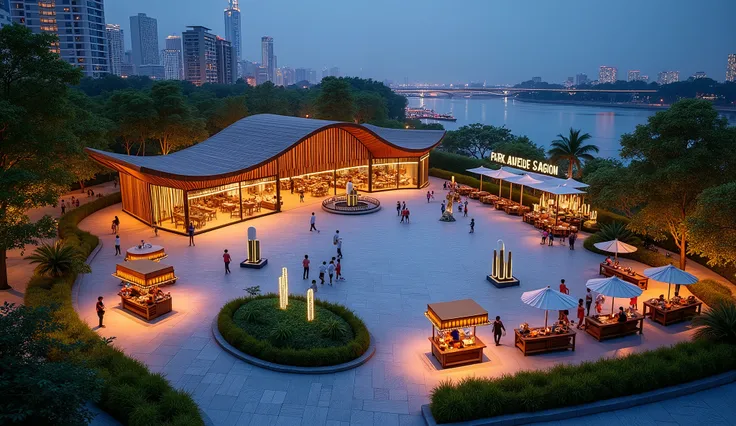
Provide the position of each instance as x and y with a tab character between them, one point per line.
502	53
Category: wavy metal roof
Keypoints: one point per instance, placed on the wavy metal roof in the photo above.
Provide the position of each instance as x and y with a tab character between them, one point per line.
257	139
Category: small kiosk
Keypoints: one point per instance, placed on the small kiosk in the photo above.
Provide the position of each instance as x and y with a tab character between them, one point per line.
453	340
146	251
141	294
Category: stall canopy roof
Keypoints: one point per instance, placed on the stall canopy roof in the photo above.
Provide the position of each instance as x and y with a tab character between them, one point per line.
257	139
457	309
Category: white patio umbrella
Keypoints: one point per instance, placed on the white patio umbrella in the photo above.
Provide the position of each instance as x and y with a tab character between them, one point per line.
615	246
558	190
546	298
670	274
572	183
500	175
480	170
614	287
524	180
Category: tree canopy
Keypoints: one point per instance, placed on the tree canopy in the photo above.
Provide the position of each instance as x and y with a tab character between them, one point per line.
335	100
479	140
572	150
712	225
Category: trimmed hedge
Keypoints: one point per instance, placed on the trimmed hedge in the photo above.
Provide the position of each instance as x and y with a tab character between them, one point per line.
569	385
318	357
711	292
131	394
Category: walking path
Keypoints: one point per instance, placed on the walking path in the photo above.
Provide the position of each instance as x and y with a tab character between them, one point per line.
393	270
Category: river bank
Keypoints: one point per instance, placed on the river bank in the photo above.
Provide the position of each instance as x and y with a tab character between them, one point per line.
649	107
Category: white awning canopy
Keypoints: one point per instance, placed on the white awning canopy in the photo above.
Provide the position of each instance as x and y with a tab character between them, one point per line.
480	170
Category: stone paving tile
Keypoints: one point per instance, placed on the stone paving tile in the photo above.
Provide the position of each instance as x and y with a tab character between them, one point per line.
385	419
291	410
407	420
214	378
398	395
288	421
314	394
218	416
166	350
361	418
222	402
222	364
336	423
248	400
199	367
263	420
197	343
268	408
210	352
340	414
397	407
363	392
244	419
314	416
381	394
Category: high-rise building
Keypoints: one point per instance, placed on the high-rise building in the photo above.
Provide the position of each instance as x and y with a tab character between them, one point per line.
81	30
699	74
248	68
227	66
5	18
278	78
144	38
581	79
154	71
301	74
634	75
267	59
171	59
126	67
289	76
115	48
667	77
261	75
232	27
200	55
731	67
334	72
607	74
312	76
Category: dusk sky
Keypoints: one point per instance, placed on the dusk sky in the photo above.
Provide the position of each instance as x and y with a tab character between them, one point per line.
498	41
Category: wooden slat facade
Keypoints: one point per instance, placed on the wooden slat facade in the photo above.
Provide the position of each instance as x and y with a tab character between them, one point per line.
136	196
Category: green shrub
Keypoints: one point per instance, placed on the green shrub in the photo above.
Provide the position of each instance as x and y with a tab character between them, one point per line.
718	324
711	292
334	330
567	385
263	349
130	393
617	230
280	333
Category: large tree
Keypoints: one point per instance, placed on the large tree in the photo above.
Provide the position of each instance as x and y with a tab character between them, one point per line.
521	146
93	131
35	134
476	140
572	150
335	100
133	113
677	155
713	225
175	124
370	107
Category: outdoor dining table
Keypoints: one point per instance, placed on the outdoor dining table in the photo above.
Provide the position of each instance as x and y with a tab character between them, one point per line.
632	277
228	207
675	313
248	207
488	199
605	327
529	345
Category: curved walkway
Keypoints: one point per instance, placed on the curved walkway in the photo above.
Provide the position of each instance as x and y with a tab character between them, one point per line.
393	270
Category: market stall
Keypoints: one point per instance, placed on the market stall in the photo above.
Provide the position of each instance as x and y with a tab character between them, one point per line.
141	294
453	340
559	336
617	323
145	251
626	274
671	311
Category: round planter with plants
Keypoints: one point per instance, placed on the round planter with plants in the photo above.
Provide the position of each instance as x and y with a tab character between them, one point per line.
257	327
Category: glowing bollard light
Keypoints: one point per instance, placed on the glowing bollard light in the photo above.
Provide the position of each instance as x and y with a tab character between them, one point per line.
502	273
283	289
310	305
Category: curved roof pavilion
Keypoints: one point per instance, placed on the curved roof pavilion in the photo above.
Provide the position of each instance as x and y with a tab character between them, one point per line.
257	141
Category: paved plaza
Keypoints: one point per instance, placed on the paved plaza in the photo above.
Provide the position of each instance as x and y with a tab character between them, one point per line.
393	270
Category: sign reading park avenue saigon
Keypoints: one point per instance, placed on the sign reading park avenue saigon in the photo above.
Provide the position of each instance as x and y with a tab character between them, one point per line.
524	163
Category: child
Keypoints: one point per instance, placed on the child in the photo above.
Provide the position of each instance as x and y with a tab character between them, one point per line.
581	314
301	196
599	303
314	286
331	270
633	302
338	272
544	237
472	226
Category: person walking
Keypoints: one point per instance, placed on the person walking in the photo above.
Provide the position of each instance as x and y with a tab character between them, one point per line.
581	314
338	271
226	259
403	206
571	240
403	215
407	214
314	286
498	330
63	206
398	208
442	207
301	195
335	237
331	270
115	225
444	185
588	301
100	308
465	211
544	237
433	195
472	226
154	225
312	221
322	272
550	238
305	264
117	245
339	248
190	231
428	196
563	287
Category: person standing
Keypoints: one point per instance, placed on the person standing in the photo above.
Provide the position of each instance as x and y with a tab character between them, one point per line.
305	264
301	195
314	286
100	307
312	221
63	206
472	226
403	207
433	195
335	237
444	185
190	231
226	259
339	247
563	287
331	270
498	330
465	211
338	271
581	314
322	272
403	215
550	239
398	208
442	207
571	240
154	225
407	214
544	237
76	203
117	245
428	196
115	225
588	301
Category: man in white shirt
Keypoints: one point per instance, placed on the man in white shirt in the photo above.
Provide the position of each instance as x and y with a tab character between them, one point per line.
117	245
322	271
339	248
312	220
331	270
335	237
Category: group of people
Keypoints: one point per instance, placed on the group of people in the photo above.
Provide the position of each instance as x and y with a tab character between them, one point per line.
403	211
548	237
584	306
74	202
430	195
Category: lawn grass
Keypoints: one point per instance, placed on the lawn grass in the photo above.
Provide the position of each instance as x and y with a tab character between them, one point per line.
305	334
274	347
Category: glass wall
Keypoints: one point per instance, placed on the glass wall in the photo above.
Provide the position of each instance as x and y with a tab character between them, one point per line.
167	205
318	185
259	197
358	175
395	173
408	174
424	166
213	207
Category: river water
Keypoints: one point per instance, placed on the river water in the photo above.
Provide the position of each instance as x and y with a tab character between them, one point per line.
542	122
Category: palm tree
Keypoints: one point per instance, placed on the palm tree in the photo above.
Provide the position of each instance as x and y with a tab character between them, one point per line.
572	149
58	259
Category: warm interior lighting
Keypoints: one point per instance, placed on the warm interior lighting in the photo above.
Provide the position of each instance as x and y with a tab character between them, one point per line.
310	305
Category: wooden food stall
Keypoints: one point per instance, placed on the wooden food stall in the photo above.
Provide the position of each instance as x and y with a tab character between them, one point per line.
145	251
141	294
604	327
628	276
453	340
674	311
536	341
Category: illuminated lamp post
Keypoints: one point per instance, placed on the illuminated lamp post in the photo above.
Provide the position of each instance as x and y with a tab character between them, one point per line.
254	259
502	273
283	289
310	305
